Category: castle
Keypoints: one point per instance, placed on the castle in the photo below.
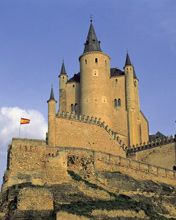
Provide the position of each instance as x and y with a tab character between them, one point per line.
103	92
99	127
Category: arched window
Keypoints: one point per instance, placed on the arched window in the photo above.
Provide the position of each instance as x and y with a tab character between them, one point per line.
96	60
117	103
76	108
174	168
72	108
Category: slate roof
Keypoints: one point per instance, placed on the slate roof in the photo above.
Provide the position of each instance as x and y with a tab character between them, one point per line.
92	43
113	73
116	72
51	95
75	78
128	61
63	71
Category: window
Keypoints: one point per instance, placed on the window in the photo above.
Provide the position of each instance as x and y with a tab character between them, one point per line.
73	85
96	60
174	168
76	108
117	103
72	108
85	61
116	80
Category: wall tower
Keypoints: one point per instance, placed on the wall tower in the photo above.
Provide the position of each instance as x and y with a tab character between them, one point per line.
51	119
63	78
132	104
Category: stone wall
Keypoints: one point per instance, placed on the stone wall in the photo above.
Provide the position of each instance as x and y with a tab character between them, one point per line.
32	161
35	199
163	156
45	165
99	161
90	136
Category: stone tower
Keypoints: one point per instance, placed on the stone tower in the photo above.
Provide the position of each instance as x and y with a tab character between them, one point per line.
132	104
63	78
51	119
94	75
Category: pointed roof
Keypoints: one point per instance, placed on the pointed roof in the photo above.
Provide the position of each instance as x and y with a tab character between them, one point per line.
63	71
128	61
51	95
92	43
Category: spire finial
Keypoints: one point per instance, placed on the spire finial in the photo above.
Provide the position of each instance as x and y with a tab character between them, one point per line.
91	18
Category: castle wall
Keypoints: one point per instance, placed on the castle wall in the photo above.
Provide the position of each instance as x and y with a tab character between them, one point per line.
32	161
79	134
144	129
163	156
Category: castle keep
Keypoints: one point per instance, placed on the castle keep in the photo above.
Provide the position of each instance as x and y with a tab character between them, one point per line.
97	152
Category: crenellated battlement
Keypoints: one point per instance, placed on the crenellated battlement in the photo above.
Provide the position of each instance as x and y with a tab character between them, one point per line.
149	145
94	121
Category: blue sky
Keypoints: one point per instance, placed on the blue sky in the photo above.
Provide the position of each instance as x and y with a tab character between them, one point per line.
35	35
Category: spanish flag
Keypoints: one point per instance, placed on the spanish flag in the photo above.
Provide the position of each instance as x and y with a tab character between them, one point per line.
24	121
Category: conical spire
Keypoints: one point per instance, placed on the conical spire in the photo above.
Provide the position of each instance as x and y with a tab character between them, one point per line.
92	43
63	71
51	95
128	61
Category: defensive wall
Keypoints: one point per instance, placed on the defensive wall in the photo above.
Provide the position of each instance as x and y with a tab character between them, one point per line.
31	161
161	152
88	132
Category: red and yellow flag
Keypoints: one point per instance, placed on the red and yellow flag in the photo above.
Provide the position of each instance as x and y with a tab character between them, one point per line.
24	121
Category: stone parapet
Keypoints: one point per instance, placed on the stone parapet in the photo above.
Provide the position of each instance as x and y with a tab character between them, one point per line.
149	145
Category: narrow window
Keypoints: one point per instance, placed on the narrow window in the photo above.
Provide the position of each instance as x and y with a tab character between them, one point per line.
115	103
116	80
119	102
96	60
85	61
174	168
72	108
73	85
76	108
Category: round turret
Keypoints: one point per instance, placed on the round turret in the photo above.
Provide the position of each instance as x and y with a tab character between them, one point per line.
63	78
51	119
94	79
